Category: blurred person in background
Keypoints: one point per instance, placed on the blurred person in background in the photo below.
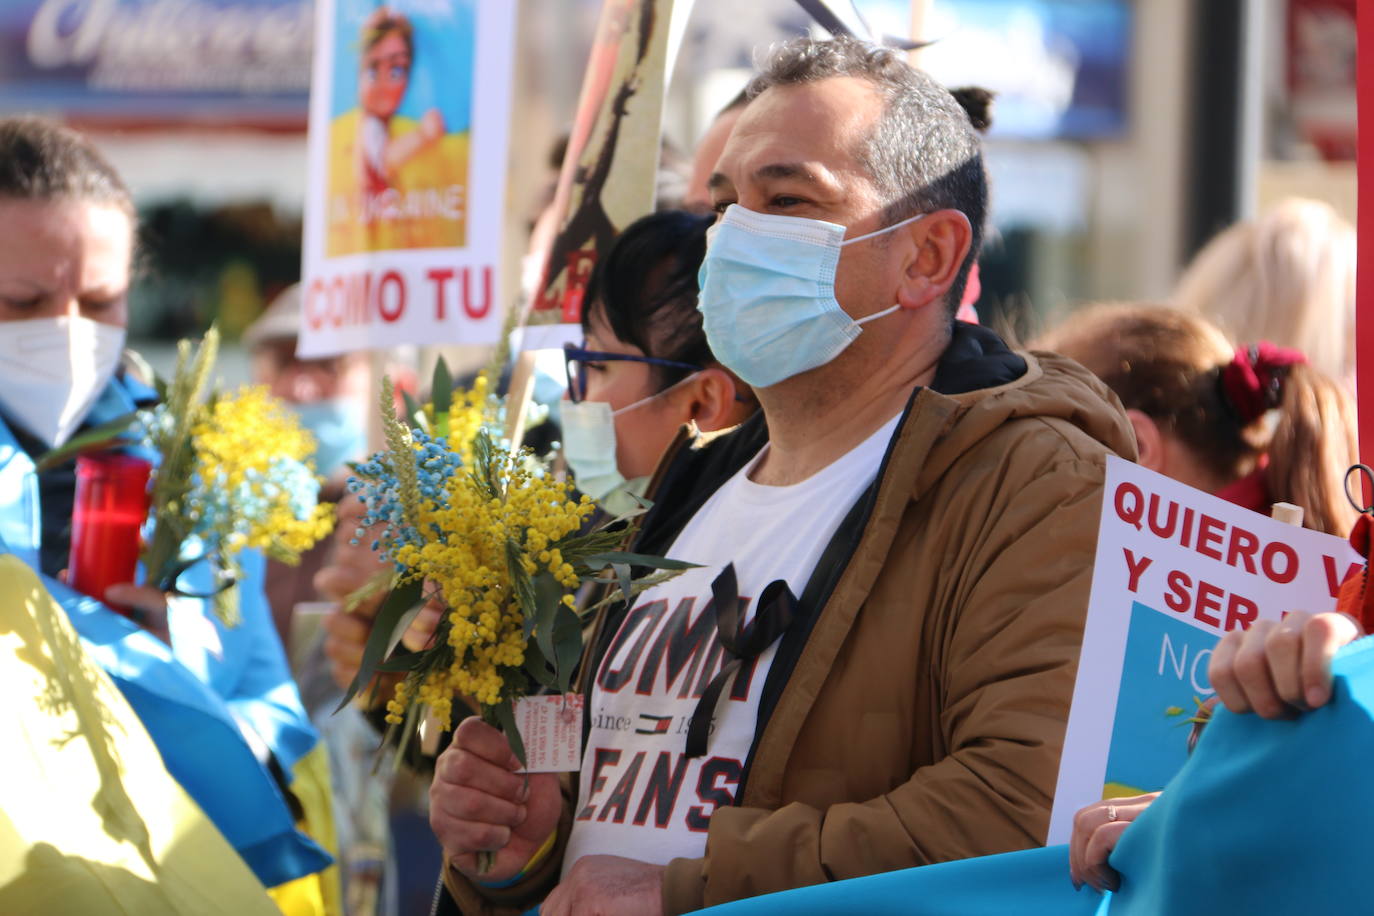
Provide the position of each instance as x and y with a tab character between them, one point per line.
1287	277
329	395
218	701
1254	425
712	143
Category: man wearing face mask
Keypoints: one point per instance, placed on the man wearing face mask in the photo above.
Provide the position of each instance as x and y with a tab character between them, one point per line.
329	396
872	667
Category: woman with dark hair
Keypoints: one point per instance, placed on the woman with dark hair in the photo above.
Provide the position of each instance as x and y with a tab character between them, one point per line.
645	369
218	701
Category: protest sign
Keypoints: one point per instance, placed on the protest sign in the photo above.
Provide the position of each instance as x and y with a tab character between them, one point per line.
610	169
408	132
1176	568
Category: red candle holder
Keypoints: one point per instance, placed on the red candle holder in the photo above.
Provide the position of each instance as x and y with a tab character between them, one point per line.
111	507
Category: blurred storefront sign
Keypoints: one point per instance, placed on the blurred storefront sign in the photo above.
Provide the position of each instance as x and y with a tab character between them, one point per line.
1321	74
151	61
1059	67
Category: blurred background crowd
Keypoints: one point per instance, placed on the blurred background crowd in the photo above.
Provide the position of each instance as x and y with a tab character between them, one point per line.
1197	154
1127	134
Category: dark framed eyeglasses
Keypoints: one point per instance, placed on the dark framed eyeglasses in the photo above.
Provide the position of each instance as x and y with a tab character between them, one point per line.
576	359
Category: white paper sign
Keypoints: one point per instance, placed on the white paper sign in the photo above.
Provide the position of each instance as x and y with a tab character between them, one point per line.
1176	568
551	727
409	113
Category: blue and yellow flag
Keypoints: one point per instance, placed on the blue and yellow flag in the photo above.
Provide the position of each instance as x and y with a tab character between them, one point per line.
90	820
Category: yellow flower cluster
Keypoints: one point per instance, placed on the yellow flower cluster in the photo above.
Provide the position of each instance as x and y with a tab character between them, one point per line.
469	566
239	443
396	706
467	414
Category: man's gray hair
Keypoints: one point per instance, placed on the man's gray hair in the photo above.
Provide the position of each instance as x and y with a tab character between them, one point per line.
924	155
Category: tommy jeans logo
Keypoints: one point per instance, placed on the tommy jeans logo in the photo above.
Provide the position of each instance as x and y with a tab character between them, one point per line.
653	725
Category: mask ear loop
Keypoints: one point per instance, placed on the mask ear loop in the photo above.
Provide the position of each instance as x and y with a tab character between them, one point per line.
876	315
886	229
642	401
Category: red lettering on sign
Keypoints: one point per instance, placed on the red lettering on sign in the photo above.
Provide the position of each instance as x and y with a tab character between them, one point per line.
439	276
1243	547
391	280
1332	583
1208	599
469	307
1134	568
313	294
1208	534
1270	563
1178	598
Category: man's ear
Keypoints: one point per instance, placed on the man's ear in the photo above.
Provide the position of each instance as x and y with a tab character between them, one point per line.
942	241
1149	440
710	397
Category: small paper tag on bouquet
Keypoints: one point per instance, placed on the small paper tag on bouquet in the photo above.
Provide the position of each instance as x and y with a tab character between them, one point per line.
551	727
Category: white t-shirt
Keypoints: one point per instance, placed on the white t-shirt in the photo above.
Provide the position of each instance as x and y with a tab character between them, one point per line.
641	796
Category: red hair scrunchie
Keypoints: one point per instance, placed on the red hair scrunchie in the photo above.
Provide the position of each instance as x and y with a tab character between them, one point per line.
1253	381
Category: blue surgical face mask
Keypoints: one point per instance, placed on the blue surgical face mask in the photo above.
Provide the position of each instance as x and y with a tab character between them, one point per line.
337	425
768	294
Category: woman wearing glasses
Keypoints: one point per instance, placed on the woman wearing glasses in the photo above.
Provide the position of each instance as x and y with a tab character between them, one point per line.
645	368
642	373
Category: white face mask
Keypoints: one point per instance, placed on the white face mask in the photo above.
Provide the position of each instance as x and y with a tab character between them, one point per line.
589	443
53	369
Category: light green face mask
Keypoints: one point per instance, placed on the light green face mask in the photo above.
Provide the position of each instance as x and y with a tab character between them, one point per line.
589	448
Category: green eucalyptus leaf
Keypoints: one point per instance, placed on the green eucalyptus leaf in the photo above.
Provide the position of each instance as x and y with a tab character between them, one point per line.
567	639
505	717
599	560
548	598
403	600
522	584
93	439
537	666
626	579
404	660
441	396
414	414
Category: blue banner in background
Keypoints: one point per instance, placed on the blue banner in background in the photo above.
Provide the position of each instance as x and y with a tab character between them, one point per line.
208	61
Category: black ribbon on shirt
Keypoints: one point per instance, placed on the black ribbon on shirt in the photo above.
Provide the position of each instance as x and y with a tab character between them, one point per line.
774	612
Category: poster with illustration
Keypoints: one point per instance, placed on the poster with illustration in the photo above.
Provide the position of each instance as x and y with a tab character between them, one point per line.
610	168
1176	568
408	132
